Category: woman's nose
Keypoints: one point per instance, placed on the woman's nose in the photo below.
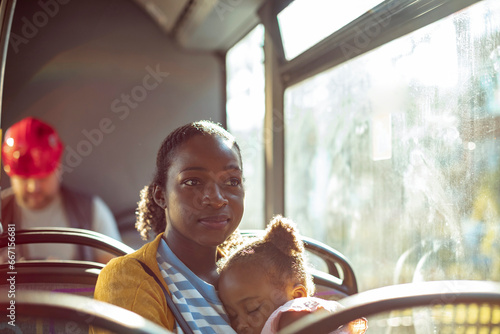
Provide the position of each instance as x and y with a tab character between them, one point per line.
213	195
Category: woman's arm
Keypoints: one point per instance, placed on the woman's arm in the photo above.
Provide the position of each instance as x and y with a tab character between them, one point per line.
123	282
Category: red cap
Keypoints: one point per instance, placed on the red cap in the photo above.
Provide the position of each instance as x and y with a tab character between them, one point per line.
31	148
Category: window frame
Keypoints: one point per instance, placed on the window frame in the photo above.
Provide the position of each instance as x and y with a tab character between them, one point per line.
401	17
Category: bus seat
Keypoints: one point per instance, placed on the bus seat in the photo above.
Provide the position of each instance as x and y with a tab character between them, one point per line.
334	277
68	236
451	306
68	276
432	260
49	312
407	262
446	259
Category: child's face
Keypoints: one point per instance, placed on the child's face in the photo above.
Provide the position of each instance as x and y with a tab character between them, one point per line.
204	192
249	298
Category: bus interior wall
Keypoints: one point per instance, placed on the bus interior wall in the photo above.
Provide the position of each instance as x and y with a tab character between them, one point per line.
112	83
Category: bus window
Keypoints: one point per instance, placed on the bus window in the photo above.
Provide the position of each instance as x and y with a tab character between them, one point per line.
397	150
316	24
245	118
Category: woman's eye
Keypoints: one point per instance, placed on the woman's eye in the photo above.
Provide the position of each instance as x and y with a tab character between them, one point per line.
234	181
191	182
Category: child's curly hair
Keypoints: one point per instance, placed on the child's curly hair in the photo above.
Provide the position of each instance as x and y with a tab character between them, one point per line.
281	253
150	216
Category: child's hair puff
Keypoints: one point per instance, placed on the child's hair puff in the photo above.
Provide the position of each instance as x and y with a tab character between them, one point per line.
283	234
280	253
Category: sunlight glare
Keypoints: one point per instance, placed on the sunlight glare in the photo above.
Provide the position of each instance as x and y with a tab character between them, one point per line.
302	25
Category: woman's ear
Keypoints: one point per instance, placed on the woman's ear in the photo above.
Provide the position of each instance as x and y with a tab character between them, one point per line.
159	196
299	291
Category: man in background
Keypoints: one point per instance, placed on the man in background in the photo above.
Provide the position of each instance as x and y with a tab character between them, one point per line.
31	156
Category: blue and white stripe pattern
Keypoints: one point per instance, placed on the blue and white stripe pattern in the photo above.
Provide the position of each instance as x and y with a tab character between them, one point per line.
196	299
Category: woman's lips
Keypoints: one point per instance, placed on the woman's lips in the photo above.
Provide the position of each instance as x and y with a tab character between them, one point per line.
216	222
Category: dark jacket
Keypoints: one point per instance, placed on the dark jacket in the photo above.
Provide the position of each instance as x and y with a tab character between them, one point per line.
77	208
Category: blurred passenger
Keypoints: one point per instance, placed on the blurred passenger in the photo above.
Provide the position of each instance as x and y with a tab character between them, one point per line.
193	206
31	156
264	286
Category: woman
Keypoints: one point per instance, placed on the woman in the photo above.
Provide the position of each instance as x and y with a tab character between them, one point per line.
193	205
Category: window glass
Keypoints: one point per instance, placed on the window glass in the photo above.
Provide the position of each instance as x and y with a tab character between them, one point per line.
245	118
304	23
393	158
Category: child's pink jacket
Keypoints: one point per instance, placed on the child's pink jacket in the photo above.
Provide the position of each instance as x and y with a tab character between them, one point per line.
313	304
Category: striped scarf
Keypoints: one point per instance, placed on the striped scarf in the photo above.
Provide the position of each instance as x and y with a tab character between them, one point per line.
196	299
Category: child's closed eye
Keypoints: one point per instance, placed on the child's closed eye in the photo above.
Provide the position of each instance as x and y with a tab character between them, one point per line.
253	309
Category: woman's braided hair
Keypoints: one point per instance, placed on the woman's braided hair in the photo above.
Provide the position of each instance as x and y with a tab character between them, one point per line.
280	252
150	216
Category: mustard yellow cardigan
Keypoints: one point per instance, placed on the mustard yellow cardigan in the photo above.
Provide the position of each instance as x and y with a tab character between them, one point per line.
123	282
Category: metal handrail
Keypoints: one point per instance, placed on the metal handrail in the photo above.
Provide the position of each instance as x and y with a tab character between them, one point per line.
67	236
397	297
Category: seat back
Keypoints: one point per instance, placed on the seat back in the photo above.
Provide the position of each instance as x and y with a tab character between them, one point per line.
49	312
455	306
70	276
55	278
75	277
67	236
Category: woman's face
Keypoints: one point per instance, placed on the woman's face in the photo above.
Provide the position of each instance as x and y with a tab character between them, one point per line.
204	191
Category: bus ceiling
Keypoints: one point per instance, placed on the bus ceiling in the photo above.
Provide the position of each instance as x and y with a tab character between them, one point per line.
204	25
199	25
